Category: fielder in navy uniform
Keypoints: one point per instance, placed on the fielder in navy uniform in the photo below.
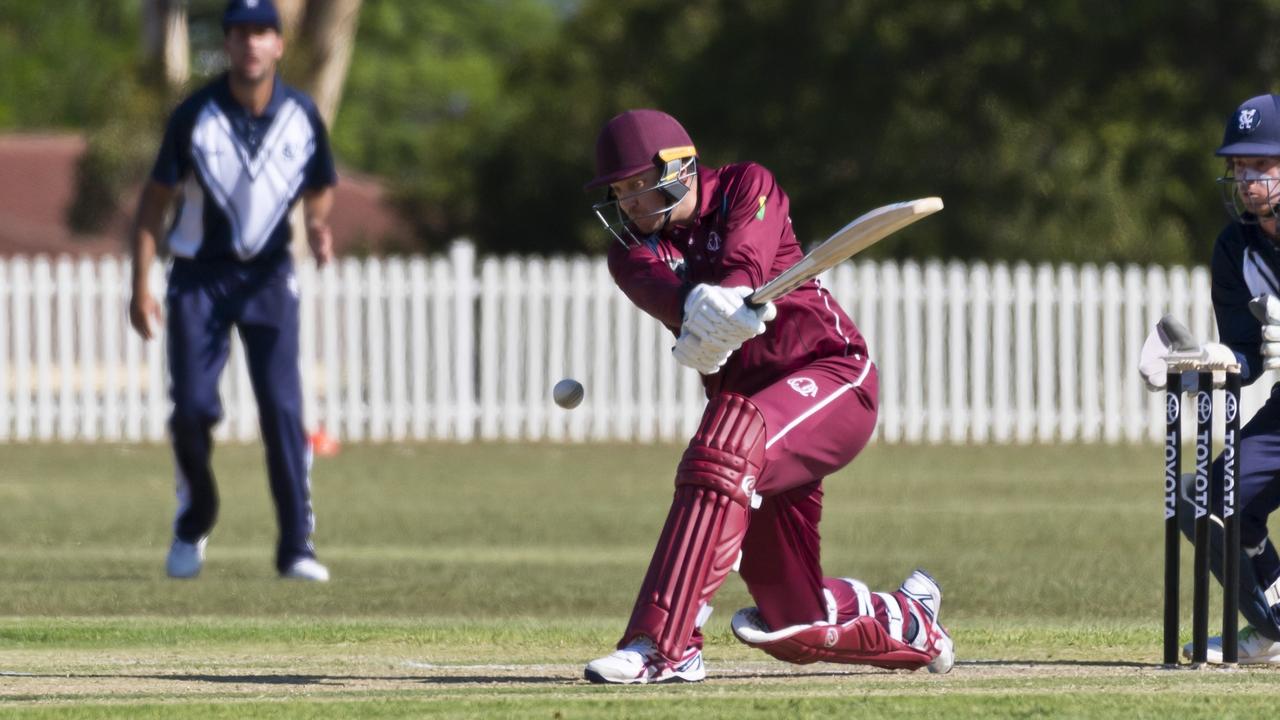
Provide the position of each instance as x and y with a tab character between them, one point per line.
1245	265
792	398
237	155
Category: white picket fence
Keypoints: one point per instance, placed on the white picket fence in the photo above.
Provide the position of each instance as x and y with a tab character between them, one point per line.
451	348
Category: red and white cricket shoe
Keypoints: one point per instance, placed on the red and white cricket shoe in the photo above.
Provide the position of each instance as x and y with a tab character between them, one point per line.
639	663
921	587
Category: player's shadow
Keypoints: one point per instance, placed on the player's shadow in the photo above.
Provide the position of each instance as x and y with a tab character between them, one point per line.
1058	663
264	679
338	679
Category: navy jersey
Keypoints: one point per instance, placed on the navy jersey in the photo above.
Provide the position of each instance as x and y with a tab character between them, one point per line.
1246	263
241	174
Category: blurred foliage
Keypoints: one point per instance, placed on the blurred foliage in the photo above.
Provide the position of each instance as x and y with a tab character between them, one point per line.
98	88
429	96
1055	129
61	61
1078	130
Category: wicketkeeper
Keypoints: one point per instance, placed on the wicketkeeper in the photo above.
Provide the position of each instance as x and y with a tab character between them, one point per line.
1246	265
792	398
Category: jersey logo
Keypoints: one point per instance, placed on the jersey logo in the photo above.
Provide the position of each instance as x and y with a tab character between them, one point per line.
1247	120
803	385
760	212
713	242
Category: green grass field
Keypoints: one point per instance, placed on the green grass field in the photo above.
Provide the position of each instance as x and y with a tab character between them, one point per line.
475	581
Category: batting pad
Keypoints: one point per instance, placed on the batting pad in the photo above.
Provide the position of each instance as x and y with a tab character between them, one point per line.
702	538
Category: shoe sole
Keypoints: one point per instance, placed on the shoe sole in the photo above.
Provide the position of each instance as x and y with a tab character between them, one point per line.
599	679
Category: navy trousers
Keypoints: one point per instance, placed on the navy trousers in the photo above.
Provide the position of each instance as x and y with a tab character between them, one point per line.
1257	496
205	300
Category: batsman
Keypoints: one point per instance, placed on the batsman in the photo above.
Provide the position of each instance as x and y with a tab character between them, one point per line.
792	398
1245	288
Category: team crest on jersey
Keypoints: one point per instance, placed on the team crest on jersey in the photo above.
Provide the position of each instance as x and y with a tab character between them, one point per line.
833	637
1247	120
713	242
760	211
803	385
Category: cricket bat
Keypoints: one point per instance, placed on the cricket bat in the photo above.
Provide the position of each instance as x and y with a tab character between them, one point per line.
862	233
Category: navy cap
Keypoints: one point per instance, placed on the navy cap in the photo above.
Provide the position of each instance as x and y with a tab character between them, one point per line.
251	12
1254	129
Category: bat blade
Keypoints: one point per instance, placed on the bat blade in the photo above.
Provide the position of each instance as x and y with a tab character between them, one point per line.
862	233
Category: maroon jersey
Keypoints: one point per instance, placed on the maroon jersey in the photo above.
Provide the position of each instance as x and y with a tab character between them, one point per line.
742	237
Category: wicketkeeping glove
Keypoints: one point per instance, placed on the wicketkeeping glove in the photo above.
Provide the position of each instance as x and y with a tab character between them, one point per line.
1170	335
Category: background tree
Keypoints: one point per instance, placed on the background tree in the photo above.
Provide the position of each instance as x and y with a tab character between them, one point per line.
1056	130
123	142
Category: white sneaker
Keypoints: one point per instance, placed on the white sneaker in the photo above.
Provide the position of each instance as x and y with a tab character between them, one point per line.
1253	648
946	658
185	559
307	569
921	587
639	663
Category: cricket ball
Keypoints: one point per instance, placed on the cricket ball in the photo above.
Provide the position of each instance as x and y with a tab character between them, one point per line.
568	393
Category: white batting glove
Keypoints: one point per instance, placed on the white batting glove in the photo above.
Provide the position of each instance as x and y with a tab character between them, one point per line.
705	356
1267	310
722	314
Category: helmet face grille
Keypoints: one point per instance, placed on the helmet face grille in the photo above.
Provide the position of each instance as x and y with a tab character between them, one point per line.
610	213
1233	193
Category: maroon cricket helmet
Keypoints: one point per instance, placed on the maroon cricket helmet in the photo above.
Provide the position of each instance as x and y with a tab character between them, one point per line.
635	141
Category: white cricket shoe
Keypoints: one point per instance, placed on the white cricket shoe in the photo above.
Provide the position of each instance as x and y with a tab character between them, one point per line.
185	559
307	569
946	658
639	663
1253	648
921	587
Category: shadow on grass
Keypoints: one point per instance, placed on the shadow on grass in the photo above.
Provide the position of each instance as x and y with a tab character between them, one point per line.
1060	663
325	679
